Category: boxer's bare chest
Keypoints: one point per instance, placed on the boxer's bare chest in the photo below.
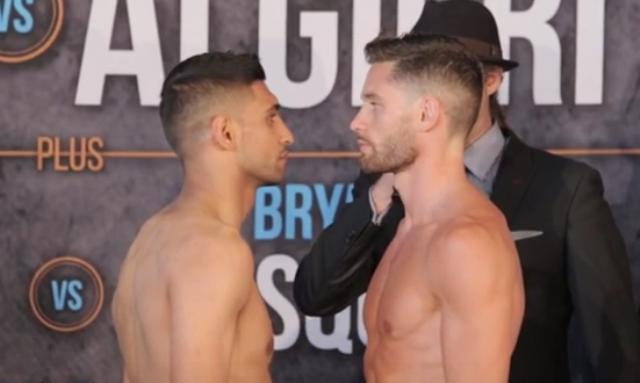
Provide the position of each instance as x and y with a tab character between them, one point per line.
399	299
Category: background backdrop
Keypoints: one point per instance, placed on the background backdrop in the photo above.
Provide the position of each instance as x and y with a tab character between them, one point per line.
78	68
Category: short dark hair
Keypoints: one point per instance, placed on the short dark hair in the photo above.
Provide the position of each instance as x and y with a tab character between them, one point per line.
198	82
438	64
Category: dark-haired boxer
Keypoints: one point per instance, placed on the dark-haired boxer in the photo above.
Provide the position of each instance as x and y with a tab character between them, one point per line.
186	308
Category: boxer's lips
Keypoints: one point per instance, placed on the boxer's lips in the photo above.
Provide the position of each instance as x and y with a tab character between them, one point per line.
363	145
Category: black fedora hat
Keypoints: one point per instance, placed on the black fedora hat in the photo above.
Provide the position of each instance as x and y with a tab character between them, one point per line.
468	21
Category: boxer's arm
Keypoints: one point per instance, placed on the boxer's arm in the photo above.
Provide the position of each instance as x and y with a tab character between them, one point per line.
208	288
475	282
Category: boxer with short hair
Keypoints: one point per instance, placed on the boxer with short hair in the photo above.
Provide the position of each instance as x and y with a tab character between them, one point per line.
446	302
186	308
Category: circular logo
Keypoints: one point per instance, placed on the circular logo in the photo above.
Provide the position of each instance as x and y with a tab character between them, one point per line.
28	28
66	294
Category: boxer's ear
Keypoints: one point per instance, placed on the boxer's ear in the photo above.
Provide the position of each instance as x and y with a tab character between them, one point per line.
223	132
430	113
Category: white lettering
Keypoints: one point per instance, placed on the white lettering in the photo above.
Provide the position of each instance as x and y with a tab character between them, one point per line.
533	25
322	29
409	12
290	320
194	27
338	339
362	331
590	52
144	60
366	26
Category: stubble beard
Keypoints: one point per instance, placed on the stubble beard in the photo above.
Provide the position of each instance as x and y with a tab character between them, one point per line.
394	153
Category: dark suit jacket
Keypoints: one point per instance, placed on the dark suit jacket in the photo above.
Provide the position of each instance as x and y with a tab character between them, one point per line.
577	272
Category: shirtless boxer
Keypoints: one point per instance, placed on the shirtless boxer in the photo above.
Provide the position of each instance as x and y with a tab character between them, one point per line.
446	302
186	309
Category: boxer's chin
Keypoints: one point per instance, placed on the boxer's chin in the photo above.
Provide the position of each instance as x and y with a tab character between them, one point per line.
371	164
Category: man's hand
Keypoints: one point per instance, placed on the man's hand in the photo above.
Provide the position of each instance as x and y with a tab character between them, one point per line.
381	193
